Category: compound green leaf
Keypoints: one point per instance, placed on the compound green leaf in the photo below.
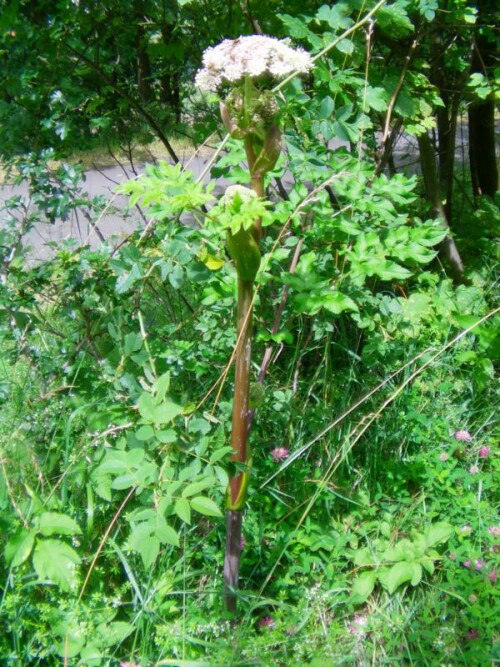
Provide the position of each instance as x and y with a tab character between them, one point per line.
56	562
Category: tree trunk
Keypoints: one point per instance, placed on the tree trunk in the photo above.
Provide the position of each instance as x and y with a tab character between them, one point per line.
170	93
482	153
143	63
448	249
449	91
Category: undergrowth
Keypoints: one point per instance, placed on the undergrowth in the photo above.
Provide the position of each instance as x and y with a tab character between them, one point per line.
371	535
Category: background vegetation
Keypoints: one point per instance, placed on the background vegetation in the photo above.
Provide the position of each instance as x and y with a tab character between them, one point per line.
371	535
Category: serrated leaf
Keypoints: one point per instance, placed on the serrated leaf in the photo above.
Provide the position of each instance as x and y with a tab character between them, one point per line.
145	432
161	386
146	407
183	509
166	412
167	436
346	46
19	547
220	454
53	523
56	562
167	535
123	482
337	303
90	655
205	506
73	640
376	98
212	263
132	343
142	540
195	487
364	584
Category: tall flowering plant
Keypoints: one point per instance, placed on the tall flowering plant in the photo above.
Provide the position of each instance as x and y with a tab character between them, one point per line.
243	72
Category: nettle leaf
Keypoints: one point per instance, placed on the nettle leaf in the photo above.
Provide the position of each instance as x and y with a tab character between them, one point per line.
56	562
205	506
89	655
53	523
364	584
19	547
394	21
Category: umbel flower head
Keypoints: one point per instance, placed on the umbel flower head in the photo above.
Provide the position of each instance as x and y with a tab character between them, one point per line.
265	60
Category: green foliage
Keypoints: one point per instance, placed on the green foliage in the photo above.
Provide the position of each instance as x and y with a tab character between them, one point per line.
371	534
398	563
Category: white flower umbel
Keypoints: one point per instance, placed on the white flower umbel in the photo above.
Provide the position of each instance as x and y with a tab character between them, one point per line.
265	60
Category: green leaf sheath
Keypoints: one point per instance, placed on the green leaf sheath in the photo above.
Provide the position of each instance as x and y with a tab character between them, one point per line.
243	480
245	253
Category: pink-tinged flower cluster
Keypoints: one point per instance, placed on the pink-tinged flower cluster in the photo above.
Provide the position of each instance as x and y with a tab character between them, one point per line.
255	56
443	457
484	452
462	436
474	470
479	565
494	530
266	622
357	627
280	454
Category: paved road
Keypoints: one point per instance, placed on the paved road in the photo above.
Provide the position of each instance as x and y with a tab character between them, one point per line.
116	224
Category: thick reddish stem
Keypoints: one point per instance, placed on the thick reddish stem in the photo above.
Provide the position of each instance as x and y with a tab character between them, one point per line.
239	434
240	423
